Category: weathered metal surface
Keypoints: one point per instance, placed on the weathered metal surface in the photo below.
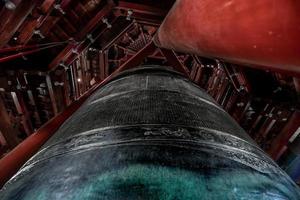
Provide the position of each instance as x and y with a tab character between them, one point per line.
251	32
150	133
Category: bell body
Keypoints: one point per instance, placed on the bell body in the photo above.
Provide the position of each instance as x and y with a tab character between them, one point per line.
150	134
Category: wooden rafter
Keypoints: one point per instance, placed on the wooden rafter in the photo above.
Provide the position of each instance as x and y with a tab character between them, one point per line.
96	20
11	24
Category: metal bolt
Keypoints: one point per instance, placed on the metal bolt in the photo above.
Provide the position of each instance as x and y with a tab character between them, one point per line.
240	104
278	89
56	83
270	115
75	51
105	21
38	32
59	8
129	14
63	65
24	57
241	88
90	37
10	5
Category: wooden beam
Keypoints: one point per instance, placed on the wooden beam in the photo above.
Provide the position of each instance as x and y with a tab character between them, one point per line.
5	13
138	57
67	51
27	31
194	71
279	144
46	27
46	8
65	4
103	64
66	87
175	62
142	8
145	19
60	31
84	71
11	24
47	5
122	32
75	82
23	112
9	133
222	89
95	20
51	94
36	112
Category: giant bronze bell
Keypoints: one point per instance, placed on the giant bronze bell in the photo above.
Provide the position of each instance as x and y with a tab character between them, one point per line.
150	134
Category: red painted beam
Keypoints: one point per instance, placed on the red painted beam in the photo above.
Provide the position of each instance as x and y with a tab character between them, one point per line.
216	82
103	64
237	78
26	47
5	13
175	62
280	142
222	89
32	24
211	81
50	21
51	94
141	8
22	111
228	106
21	54
253	32
194	71
198	76
67	51
65	4
95	20
18	55
125	30
66	88
18	48
138	57
152	20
